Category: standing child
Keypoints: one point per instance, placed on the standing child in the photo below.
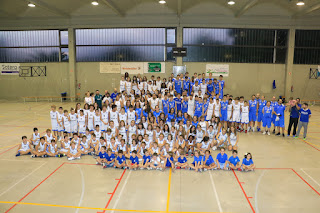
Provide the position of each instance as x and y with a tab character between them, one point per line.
24	148
247	163
245	116
134	160
60	123
73	121
81	123
222	159
66	122
234	161
120	161
53	116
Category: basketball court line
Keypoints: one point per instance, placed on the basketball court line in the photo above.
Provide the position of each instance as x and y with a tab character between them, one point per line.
310	177
9	146
83	188
9	149
306	182
169	187
215	192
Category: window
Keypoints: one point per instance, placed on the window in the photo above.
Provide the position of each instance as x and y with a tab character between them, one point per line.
64	50
29	46
122	44
307	47
235	45
171	43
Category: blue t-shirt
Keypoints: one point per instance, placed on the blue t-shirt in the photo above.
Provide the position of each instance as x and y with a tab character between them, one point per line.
216	87
177	85
178	103
253	105
221	84
295	112
121	160
197	159
156	115
198	108
234	160
280	109
267	111
138	111
103	155
184	106
146	159
111	157
186	85
171	104
134	159
247	162
224	105
182	160
165	104
113	96
222	158
170	117
209	160
304	115
168	164
210	88
262	104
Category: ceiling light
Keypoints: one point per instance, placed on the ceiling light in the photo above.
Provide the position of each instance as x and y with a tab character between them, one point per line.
95	3
231	2
162	2
300	3
31	4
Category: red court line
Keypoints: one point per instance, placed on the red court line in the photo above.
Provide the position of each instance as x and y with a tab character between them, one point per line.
272	168
306	182
8	149
35	187
310	145
115	189
82	163
244	192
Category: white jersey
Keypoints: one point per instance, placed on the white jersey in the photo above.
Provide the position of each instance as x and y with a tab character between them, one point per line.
108	137
122	147
132	148
90	120
229	112
67	144
131	116
196	89
205	145
245	114
25	147
191	107
236	115
53	115
209	111
118	104
154	103
123	132
128	87
41	147
233	139
150	133
105	116
49	138
51	148
82	124
203	125
140	132
132	130
217	109
114	117
122	86
73	151
88	100
97	133
211	134
158	133
36	138
199	136
97	120
54	122
203	88
60	124
223	137
84	145
123	117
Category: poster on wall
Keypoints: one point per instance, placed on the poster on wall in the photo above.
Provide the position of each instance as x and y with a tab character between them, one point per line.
177	70
217	69
9	68
154	67
132	67
112	67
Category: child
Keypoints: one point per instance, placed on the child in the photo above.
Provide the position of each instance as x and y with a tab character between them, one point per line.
205	145
52	149
222	159
99	145
190	145
208	162
234	161
73	153
85	146
146	159
53	116
182	161
221	139
169	162
24	148
155	162
48	136
245	117
233	139
247	163
65	146
134	160
82	123
73	121
110	159
196	164
60	122
66	122
97	131
120	161
40	149
102	158
94	141
35	138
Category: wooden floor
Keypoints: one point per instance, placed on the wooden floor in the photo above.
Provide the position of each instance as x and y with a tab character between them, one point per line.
287	178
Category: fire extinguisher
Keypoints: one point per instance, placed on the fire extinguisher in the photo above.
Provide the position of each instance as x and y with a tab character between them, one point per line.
79	86
291	88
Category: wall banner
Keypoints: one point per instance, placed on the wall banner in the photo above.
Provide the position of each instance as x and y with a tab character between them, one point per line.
9	68
110	67
217	69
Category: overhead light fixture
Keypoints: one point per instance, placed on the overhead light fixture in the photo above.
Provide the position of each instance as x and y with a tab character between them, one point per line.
162	2
31	4
231	2
95	3
300	3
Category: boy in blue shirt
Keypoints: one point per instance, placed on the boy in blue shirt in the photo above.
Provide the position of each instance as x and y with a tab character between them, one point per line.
182	161
165	104
134	160
305	115
177	101
102	158
145	160
234	161
224	111
197	160
121	161
110	158
208	162
222	159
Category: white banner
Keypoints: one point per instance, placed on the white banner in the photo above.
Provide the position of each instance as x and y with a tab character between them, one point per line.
217	69
148	65
9	68
112	67
132	67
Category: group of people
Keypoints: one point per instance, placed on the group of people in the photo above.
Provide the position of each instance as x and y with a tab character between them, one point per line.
162	120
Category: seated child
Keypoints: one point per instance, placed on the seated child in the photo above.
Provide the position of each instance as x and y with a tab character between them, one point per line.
247	163
74	152
169	162
222	159
234	161
85	146
110	159
182	161
99	145
102	158
196	164
65	146
52	149
40	149
155	162
208	162
24	148
142	152
134	160
146	159
120	161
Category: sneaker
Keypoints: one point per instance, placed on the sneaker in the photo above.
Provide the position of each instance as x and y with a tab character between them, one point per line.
149	168
78	158
214	148
269	133
296	137
178	167
205	169
278	134
187	154
293	136
264	132
239	169
18	154
252	129
246	131
304	138
32	156
104	166
141	168
72	158
97	163
274	131
282	135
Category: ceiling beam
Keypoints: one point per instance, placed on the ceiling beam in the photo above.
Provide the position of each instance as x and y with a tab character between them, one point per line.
307	10
246	7
47	7
112	6
179	8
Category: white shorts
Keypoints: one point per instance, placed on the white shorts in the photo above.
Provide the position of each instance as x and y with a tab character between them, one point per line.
245	118
90	125
60	128
236	117
103	126
82	129
209	115
74	128
64	150
54	124
67	129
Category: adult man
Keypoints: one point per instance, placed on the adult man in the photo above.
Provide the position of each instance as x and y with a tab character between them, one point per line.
294	116
114	94
305	115
98	99
279	121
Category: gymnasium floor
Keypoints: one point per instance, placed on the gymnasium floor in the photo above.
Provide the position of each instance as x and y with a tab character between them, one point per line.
287	178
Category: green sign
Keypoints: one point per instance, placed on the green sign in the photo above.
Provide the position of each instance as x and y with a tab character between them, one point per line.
154	67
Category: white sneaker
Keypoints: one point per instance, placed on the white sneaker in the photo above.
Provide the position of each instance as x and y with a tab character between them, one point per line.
264	132
252	129
78	158
214	148
204	169
97	163
268	133
141	168
72	158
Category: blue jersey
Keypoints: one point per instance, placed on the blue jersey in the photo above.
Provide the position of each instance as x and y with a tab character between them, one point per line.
170	117
185	120
234	161
210	88
267	111
197	159
113	96
178	119
274	104
191	85
182	160
224	105
195	123
198	108
156	115
146	159
177	85
121	160
171	105
247	162
186	85
253	105
138	111
134	159
184	106
110	157
165	105
168	164
221	84
262	104
145	114
280	109
222	158
103	155
208	79
178	103
209	160
216	87
205	107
